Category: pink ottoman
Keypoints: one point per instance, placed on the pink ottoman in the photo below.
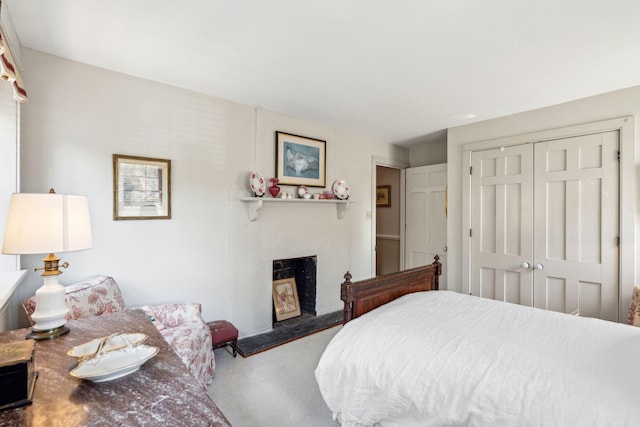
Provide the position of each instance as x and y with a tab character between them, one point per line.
223	333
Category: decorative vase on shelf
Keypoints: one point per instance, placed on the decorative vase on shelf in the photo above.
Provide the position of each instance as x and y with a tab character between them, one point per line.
274	189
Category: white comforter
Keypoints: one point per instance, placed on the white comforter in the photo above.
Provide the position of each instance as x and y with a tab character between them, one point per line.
442	358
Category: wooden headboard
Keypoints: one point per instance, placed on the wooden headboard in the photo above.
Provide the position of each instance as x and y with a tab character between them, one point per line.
365	295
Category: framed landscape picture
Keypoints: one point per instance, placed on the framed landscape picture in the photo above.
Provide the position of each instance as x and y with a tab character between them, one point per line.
285	299
383	196
300	160
141	188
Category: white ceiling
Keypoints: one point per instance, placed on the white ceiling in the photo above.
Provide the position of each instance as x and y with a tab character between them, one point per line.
396	70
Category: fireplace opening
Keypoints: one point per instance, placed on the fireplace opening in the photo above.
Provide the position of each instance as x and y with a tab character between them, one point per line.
303	270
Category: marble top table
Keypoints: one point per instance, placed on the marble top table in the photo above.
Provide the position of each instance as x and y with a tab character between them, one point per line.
161	392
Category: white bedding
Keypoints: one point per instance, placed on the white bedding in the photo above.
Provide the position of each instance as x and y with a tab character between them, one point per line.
442	358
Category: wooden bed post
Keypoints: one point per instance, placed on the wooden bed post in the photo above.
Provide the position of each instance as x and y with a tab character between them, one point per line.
438	264
347	305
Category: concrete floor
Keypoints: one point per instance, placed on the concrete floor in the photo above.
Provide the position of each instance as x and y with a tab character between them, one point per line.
274	388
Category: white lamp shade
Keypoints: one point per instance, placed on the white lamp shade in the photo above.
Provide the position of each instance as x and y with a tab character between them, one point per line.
47	223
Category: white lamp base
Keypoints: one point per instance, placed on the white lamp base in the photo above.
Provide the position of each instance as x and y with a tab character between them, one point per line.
51	310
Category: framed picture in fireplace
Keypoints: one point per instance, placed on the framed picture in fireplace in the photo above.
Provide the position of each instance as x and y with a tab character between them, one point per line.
285	299
300	160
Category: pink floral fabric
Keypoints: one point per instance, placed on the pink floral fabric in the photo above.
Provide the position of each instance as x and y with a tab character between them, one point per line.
182	327
94	296
634	308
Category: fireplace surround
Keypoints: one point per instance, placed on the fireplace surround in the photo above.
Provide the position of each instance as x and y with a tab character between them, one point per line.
304	271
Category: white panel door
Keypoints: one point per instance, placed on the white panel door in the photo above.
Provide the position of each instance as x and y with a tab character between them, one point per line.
426	221
502	224
576	214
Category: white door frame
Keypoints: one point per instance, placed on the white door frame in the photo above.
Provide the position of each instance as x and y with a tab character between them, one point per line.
626	127
394	164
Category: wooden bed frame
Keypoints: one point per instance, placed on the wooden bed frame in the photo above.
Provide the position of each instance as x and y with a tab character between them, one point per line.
365	295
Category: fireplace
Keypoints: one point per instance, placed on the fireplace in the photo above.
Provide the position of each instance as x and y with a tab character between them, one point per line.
303	270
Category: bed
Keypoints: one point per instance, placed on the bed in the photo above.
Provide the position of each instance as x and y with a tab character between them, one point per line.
414	356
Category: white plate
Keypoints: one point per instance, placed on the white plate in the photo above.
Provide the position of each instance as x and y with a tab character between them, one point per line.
114	342
114	364
341	190
257	183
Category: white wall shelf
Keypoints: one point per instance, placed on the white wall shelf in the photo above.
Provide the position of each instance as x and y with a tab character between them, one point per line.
256	203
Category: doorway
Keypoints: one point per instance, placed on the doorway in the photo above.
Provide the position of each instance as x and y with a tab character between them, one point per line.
388	220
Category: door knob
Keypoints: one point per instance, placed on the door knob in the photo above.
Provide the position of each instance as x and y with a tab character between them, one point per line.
525	265
539	266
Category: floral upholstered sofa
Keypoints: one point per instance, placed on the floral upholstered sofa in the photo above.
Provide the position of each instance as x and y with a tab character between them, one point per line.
181	325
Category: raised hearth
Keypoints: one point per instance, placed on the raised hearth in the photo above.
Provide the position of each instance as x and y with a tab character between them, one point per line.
288	331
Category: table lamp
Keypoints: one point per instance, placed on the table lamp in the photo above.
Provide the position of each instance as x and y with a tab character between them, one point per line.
48	223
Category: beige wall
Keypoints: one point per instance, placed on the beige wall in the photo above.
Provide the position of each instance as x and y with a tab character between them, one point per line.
209	252
428	153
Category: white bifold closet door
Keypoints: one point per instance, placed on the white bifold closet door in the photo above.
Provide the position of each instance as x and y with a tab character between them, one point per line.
545	224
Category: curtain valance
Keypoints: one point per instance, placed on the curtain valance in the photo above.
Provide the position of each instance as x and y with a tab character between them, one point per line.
9	71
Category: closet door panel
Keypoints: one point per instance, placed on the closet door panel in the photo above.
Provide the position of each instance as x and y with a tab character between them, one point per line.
501	224
576	225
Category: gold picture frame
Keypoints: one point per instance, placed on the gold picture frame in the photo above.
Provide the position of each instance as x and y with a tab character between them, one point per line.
141	188
383	196
285	299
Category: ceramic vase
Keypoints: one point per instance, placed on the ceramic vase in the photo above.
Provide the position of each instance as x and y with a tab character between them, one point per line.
274	189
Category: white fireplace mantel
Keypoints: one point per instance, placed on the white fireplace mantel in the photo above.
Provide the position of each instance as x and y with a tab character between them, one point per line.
255	204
